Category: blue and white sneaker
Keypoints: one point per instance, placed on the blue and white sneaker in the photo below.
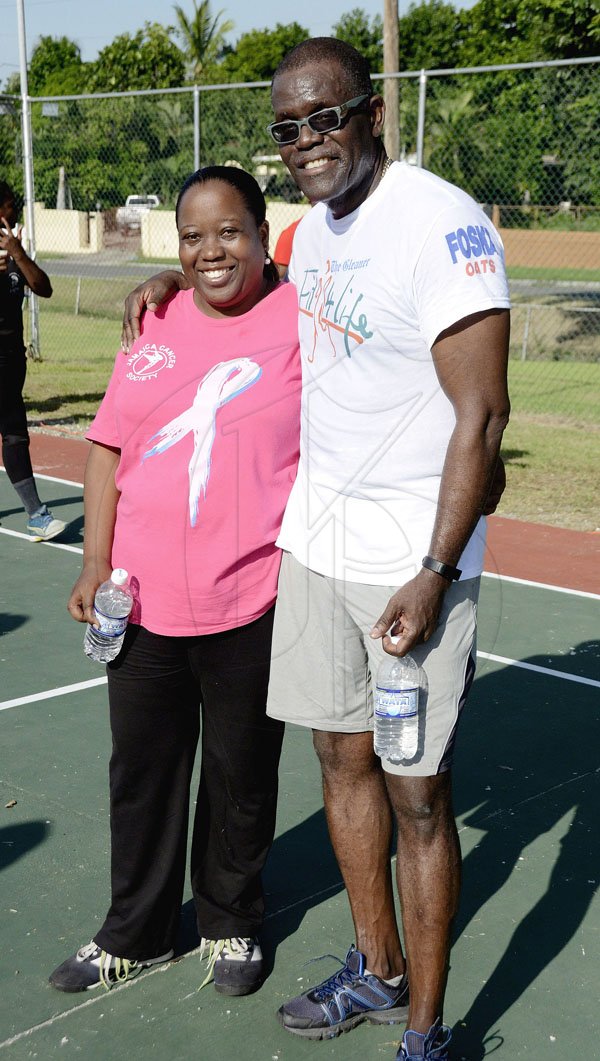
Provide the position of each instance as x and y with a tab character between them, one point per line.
431	1047
43	526
344	1000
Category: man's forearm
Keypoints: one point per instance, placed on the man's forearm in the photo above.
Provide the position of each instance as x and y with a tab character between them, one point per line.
470	360
466	479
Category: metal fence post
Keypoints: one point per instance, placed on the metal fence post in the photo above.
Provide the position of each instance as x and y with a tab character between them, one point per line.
196	128
526	333
34	344
421	118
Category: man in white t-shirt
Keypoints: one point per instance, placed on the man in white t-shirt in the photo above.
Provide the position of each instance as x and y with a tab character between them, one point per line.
403	307
404	323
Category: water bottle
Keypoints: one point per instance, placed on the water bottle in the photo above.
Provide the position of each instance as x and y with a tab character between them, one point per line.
112	605
397	708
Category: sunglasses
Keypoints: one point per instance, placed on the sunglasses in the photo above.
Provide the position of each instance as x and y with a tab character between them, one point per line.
325	121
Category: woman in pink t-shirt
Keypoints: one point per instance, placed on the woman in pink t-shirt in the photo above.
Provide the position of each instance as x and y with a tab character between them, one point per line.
194	452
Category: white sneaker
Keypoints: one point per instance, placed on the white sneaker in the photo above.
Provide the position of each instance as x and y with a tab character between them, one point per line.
43	526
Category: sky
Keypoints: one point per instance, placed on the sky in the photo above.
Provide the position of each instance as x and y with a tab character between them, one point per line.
93	24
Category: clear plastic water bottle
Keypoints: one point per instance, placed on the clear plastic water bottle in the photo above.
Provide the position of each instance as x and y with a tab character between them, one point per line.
397	708
112	605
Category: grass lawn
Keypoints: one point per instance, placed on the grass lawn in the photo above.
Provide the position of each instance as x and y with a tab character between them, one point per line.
563	391
67	386
97	297
552	472
551	446
527	272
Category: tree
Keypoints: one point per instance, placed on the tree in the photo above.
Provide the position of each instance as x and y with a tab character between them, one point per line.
55	68
503	31
203	36
453	141
363	34
12	85
430	36
148	59
563	29
257	54
11	164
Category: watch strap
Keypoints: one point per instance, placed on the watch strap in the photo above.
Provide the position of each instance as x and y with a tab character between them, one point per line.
445	570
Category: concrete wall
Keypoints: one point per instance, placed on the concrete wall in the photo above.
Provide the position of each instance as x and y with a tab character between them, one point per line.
76	232
527	247
159	235
67	231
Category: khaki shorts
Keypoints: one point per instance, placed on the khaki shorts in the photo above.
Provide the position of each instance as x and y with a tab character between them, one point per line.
324	661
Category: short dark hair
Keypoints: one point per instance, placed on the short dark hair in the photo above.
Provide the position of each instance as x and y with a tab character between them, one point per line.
6	192
318	49
245	184
240	179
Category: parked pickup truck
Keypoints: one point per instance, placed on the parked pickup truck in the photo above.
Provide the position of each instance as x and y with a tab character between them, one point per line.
129	217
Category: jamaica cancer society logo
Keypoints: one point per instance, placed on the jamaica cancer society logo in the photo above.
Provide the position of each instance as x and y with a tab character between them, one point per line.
149	361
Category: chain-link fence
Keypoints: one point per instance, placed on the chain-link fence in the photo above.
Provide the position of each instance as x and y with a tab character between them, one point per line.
522	139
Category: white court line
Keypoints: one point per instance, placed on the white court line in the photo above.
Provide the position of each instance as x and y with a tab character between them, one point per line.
27	537
486	574
52	479
49	545
100	996
61	691
65	689
538	670
541	585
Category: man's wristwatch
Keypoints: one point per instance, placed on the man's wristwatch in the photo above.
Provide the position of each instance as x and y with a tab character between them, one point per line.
445	570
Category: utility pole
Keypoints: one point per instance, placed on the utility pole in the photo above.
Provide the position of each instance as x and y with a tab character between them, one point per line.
34	343
390	66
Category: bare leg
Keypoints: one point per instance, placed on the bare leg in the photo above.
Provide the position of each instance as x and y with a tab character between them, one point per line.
359	818
428	871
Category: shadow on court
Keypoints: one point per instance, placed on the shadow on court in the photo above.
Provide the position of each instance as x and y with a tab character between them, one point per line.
10	621
73	533
535	759
301	873
56	503
525	762
526	793
18	840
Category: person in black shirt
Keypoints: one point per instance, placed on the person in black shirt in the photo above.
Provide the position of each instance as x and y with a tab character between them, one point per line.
16	271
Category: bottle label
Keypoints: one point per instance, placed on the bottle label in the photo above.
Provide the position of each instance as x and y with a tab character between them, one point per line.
109	626
396	703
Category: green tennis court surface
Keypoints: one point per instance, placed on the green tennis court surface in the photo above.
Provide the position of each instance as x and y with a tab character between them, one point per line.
525	964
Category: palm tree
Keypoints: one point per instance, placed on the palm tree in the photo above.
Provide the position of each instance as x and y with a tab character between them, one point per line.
203	36
453	137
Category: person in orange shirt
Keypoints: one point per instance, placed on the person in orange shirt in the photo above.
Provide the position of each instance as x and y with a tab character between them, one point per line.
283	248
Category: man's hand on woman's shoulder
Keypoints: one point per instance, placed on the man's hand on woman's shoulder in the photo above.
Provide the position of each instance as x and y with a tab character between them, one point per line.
149	295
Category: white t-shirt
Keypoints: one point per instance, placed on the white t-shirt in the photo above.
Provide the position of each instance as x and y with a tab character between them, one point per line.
375	290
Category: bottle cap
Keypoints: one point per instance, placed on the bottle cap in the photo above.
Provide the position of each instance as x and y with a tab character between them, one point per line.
119	576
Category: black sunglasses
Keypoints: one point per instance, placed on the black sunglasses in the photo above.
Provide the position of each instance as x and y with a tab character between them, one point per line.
325	121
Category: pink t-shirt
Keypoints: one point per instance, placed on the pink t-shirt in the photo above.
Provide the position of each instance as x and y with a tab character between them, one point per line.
206	414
